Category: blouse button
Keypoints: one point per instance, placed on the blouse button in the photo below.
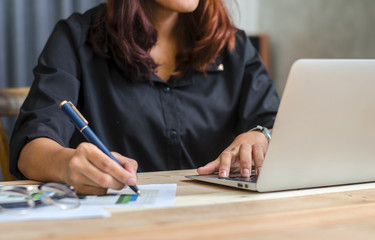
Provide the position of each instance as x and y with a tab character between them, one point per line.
167	89
173	134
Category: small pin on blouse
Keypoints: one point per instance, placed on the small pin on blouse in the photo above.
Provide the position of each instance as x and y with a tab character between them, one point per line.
220	67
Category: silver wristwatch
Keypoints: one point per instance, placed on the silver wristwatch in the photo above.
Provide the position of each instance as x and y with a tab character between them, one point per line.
264	130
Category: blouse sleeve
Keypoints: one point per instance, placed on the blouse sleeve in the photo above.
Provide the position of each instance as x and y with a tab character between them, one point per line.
259	99
56	78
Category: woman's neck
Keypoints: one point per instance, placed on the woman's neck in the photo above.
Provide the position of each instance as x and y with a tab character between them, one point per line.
164	21
167	46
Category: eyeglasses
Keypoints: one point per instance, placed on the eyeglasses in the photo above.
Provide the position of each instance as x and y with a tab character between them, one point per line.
21	199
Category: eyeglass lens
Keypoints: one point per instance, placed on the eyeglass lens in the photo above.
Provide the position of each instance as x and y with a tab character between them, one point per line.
59	194
15	200
20	200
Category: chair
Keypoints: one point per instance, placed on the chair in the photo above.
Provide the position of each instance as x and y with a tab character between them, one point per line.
11	100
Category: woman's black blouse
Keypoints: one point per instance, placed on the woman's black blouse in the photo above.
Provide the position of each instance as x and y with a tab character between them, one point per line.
179	124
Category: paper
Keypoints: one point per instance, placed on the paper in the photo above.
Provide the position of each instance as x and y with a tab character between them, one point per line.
154	195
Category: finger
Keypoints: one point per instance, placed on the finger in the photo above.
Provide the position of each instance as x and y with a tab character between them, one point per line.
83	172
225	163
79	181
209	168
101	169
245	159
107	165
75	177
129	164
258	155
103	180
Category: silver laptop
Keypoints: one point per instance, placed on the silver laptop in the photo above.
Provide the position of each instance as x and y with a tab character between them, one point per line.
324	133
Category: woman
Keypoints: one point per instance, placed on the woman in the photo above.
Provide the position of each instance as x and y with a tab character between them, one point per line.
164	84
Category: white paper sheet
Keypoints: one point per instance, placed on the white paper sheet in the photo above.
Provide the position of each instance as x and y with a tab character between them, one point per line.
154	195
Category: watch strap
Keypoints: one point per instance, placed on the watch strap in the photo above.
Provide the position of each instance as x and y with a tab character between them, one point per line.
266	132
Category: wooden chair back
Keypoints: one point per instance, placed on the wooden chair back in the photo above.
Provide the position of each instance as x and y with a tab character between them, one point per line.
11	100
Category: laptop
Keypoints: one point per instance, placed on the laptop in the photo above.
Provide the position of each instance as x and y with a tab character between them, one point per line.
324	132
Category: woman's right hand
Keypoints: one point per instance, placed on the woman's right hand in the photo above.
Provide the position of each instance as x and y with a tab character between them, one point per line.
86	168
89	170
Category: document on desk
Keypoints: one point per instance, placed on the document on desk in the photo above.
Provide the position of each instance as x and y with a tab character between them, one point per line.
91	206
153	195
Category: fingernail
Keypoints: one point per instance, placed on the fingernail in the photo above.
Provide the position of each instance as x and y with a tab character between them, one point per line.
258	170
223	173
245	172
131	181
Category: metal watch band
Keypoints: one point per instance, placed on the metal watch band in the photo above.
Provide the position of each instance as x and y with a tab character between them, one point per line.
266	132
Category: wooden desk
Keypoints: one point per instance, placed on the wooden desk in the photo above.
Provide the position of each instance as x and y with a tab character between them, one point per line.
342	215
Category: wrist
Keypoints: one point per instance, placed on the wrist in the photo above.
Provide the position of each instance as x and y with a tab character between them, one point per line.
266	132
43	159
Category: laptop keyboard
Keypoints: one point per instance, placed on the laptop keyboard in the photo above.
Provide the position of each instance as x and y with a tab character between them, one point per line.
252	178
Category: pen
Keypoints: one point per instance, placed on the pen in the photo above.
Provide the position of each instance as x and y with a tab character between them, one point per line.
82	125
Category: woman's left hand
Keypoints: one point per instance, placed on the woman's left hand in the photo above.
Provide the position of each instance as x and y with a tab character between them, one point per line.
246	150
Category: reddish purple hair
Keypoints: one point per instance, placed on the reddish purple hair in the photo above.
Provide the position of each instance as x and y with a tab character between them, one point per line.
124	33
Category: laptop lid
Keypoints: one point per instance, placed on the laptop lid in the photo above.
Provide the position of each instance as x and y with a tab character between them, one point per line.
323	134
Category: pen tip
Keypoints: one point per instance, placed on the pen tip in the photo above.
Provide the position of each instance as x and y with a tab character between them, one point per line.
139	192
